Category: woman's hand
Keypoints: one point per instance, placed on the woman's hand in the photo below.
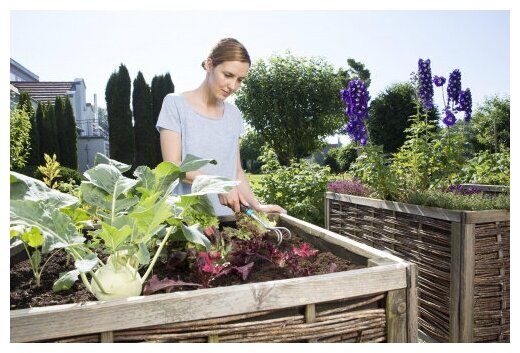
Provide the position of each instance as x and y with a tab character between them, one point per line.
232	200
270	208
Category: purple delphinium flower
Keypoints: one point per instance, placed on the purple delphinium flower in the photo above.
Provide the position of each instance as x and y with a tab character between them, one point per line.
438	80
449	118
356	98
425	83
465	104
454	87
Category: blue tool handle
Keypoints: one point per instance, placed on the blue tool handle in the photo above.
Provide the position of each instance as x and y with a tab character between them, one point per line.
248	211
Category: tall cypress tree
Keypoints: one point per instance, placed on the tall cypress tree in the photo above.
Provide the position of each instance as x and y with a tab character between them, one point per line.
121	134
40	112
48	138
69	140
161	86
58	120
145	144
24	103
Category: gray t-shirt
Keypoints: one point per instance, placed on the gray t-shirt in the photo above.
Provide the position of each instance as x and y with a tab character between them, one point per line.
204	137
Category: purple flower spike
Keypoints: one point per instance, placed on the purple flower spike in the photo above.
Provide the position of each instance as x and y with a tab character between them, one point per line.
356	100
425	83
449	118
465	104
454	87
439	80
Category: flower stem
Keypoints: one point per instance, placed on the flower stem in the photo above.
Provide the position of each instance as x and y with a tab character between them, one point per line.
156	256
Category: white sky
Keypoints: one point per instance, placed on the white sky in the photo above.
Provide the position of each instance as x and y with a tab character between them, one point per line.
90	44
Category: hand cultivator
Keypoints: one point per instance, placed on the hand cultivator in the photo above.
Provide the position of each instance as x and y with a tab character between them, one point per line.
279	231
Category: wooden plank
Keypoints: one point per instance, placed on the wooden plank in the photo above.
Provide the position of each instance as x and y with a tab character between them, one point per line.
433	212
213	339
106	337
467	271
327	213
310	318
334	238
486	216
456	254
396	316
75	319
412	303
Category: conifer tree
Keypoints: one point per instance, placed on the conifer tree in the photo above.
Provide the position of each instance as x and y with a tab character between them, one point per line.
144	127
40	110
58	121
48	138
69	139
121	133
24	103
161	86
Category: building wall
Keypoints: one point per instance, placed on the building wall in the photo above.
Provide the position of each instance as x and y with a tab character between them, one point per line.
87	149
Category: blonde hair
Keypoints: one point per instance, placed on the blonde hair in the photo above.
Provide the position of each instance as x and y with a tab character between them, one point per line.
227	49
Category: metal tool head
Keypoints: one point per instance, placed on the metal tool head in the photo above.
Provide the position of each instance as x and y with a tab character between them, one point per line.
279	231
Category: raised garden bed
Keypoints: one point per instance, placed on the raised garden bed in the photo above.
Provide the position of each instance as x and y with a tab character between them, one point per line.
462	261
377	303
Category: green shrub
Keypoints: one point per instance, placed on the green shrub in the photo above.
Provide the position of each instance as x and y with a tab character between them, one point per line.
487	168
299	187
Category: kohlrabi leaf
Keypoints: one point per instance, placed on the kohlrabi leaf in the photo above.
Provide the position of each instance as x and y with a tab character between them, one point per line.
191	163
33	237
102	159
143	255
212	184
57	228
66	280
87	263
195	235
110	179
27	188
114	237
97	197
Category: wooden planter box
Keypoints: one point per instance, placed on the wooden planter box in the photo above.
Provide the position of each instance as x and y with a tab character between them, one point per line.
462	261
373	304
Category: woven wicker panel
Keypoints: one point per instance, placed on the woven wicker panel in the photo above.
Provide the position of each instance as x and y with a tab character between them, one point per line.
491	291
421	240
361	319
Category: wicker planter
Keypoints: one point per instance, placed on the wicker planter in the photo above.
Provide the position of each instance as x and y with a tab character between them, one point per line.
373	304
462	261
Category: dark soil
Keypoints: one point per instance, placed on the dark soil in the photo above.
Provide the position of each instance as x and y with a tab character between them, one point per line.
25	293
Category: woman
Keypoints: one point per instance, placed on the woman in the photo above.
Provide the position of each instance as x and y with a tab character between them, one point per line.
201	123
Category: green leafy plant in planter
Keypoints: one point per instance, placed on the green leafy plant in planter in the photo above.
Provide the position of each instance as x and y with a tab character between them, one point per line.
136	217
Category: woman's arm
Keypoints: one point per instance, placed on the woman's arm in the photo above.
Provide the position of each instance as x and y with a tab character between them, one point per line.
171	149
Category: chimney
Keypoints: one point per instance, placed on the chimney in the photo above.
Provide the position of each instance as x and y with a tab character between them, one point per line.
95	109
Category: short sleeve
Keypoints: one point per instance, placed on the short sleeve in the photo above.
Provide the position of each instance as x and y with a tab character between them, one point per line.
169	117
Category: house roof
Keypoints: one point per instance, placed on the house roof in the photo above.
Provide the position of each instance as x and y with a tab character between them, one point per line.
45	91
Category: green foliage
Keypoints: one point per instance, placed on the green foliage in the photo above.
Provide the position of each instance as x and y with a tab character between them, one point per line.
134	214
490	125
373	170
144	126
68	137
355	71
50	171
20	128
160	87
292	103
48	135
299	187
121	132
25	103
250	145
448	200
340	159
390	114
486	168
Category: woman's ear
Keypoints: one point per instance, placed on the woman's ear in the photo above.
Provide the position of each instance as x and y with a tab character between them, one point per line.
208	64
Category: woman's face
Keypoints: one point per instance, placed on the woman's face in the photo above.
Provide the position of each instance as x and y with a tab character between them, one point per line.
226	78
